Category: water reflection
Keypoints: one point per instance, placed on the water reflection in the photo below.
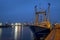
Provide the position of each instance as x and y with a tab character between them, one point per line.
0	33
22	33
17	32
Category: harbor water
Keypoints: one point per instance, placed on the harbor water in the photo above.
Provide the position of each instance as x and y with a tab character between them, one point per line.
16	33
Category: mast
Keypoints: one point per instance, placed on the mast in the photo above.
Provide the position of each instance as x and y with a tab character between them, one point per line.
48	11
37	15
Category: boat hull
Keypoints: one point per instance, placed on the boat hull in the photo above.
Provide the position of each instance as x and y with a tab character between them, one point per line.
39	32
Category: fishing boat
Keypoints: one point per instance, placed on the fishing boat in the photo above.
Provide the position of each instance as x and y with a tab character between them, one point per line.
42	29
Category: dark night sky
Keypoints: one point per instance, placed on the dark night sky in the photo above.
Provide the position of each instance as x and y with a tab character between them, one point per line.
23	10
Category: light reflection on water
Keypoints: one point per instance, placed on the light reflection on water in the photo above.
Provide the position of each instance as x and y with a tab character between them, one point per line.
0	33
15	33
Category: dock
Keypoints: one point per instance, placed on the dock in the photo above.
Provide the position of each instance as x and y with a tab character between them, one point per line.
55	33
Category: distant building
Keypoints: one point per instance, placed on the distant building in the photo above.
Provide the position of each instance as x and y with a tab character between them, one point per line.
18	24
0	24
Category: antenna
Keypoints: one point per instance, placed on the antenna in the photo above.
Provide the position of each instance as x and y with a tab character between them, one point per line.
35	8
39	3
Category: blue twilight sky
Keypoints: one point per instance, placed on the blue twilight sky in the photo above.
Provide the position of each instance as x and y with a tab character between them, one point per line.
23	10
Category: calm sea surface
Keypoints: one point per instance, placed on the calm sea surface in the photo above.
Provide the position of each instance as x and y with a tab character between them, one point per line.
16	33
